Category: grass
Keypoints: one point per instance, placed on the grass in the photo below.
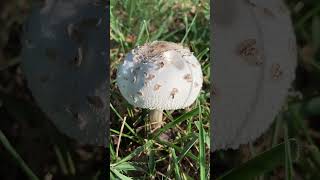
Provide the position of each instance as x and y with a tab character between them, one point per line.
184	155
17	157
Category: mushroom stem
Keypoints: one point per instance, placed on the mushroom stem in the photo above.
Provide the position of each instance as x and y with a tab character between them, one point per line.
155	119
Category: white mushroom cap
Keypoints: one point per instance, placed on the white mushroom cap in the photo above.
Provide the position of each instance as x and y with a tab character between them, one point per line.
64	61
160	75
261	59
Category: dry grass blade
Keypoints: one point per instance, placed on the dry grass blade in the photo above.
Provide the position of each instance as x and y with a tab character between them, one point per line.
120	135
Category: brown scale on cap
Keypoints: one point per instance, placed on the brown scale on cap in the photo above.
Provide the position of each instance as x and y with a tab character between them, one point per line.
78	117
187	54
174	91
156	87
250	3
160	46
79	58
193	65
268	12
160	65
139	93
187	77
134	72
134	79
276	71
151	50
248	50
74	33
149	77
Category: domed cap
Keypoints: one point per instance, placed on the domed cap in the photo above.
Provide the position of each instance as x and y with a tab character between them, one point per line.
252	70
64	59
160	75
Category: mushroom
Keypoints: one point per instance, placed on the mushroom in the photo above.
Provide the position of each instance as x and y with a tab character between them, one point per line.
255	45
160	76
64	60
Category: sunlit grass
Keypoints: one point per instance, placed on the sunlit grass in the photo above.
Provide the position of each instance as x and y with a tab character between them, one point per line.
185	155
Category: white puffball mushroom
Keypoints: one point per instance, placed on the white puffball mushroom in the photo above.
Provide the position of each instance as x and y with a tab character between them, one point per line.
261	57
160	76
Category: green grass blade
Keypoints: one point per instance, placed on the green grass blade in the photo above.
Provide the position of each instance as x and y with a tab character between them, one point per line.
298	117
128	166
146	29
112	175
142	29
123	134
72	167
187	148
288	164
316	32
119	175
315	155
126	124
202	53
134	153
178	120
177	148
202	151
131	7
171	34
176	164
112	152
275	135
189	28
62	163
312	107
151	161
301	22
162	28
262	163
17	157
